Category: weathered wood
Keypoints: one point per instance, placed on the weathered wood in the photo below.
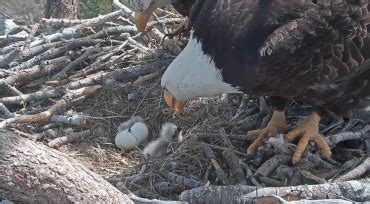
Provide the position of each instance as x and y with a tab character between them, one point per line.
358	191
61	9
33	173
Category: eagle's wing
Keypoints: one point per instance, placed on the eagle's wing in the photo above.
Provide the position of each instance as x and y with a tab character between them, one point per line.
315	50
333	31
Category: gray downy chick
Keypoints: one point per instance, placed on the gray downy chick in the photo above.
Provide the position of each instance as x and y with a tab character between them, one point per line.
158	148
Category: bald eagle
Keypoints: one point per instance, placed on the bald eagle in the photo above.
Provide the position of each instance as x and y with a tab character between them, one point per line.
306	50
145	8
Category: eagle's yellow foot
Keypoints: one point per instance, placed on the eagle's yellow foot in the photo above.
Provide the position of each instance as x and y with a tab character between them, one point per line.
306	131
276	125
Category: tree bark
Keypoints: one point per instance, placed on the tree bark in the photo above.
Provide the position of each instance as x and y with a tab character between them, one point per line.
66	9
358	191
34	173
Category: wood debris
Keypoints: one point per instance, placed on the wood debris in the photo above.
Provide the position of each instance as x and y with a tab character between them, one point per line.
63	87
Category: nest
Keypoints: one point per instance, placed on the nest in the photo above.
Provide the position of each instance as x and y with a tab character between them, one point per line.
70	83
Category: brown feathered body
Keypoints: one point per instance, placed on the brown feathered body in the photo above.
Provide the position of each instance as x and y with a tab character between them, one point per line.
310	51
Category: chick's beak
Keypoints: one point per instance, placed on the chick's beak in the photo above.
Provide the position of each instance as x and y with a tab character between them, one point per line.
172	102
142	18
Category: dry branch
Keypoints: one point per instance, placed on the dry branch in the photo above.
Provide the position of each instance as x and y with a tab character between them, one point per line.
74	64
282	147
235	169
188	182
350	135
66	34
6	59
59	106
58	23
351	190
271	164
57	142
33	173
211	156
116	30
27	75
211	136
28	53
357	171
125	74
4	112
76	120
271	182
40	95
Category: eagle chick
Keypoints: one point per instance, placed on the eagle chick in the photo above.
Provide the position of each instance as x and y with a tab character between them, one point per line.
158	148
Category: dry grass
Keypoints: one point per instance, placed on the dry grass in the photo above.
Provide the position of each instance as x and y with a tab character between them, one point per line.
111	106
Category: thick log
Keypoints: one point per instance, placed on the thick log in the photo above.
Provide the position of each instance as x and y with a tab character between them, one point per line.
33	173
357	191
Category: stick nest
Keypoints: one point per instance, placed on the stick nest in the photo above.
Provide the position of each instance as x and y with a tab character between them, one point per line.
70	83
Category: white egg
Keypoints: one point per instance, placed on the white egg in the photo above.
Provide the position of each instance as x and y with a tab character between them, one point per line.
131	137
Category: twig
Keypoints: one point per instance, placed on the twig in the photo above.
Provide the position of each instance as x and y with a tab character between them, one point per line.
116	30
349	190
13	90
6	59
233	162
51	132
249	174
220	173
271	164
168	188
351	135
242	107
43	116
225	148
312	177
11	47
25	76
352	190
58	23
76	120
212	136
271	182
59	106
188	182
12	38
281	147
126	11
148	77
125	74
28	53
66	34
62	74
40	95
356	172
57	142
4	112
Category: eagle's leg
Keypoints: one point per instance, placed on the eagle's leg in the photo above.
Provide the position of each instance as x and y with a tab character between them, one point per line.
183	27
276	125
308	130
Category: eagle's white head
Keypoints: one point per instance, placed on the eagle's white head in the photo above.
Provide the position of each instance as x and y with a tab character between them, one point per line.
193	74
144	9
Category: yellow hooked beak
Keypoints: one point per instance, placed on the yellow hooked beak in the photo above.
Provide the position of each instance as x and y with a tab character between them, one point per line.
172	102
142	18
